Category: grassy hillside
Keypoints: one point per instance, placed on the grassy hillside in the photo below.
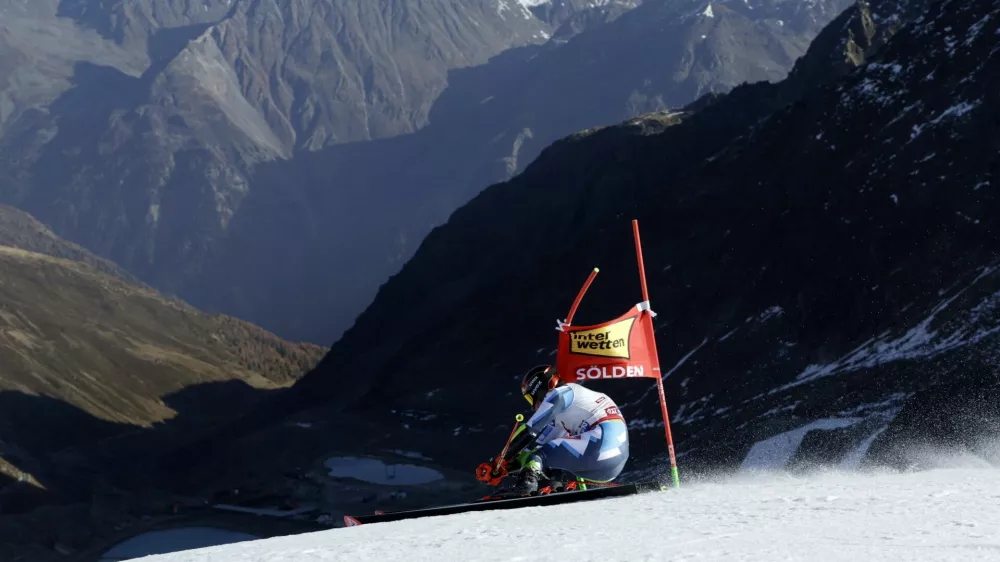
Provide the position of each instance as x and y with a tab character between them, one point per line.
71	332
88	354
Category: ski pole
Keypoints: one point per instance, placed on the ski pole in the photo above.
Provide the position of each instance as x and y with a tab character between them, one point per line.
513	432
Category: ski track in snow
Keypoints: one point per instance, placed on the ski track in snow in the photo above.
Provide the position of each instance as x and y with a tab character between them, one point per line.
946	515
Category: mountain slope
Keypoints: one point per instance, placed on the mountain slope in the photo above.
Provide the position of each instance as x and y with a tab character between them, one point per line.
86	356
38	57
835	285
23	231
123	347
349	216
138	136
163	133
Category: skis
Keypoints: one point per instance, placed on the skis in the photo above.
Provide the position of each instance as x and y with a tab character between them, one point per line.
489	503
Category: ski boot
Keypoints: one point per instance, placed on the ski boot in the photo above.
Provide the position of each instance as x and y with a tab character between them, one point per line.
565	481
525	484
527	480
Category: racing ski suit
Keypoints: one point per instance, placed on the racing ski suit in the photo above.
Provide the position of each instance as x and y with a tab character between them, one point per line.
577	430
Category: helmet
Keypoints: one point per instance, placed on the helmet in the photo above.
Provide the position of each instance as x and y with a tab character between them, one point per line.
537	382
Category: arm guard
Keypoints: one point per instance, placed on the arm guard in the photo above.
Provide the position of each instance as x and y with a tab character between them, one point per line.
524	438
555	402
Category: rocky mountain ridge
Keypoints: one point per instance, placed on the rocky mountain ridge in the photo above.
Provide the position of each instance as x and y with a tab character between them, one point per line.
349	221
24	232
160	134
137	136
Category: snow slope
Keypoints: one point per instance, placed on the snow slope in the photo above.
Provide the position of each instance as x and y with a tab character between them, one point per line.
945	514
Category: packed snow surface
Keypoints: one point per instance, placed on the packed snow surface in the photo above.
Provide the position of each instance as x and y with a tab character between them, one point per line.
943	514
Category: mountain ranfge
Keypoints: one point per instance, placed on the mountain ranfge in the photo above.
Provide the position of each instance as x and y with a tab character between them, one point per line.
278	162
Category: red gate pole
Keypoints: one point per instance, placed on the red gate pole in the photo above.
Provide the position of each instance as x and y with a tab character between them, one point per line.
659	378
579	296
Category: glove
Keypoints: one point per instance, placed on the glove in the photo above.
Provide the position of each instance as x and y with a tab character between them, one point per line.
490	473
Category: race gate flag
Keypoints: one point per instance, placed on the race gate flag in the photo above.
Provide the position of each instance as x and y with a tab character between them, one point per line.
619	349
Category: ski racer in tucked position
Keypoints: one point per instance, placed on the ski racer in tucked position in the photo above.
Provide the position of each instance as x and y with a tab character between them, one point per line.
573	430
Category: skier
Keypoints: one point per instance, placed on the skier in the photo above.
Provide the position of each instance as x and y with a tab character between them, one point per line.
573	429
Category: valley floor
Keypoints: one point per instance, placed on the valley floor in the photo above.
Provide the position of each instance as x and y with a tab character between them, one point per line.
943	514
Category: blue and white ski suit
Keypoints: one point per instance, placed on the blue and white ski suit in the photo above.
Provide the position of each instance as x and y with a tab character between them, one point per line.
579	431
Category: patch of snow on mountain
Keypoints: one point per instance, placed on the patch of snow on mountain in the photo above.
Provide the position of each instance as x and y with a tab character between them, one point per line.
957	110
691	412
976	29
676	366
375	471
522	5
781	409
889	406
775	452
412	455
640	423
730	333
767	314
853	459
921	341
